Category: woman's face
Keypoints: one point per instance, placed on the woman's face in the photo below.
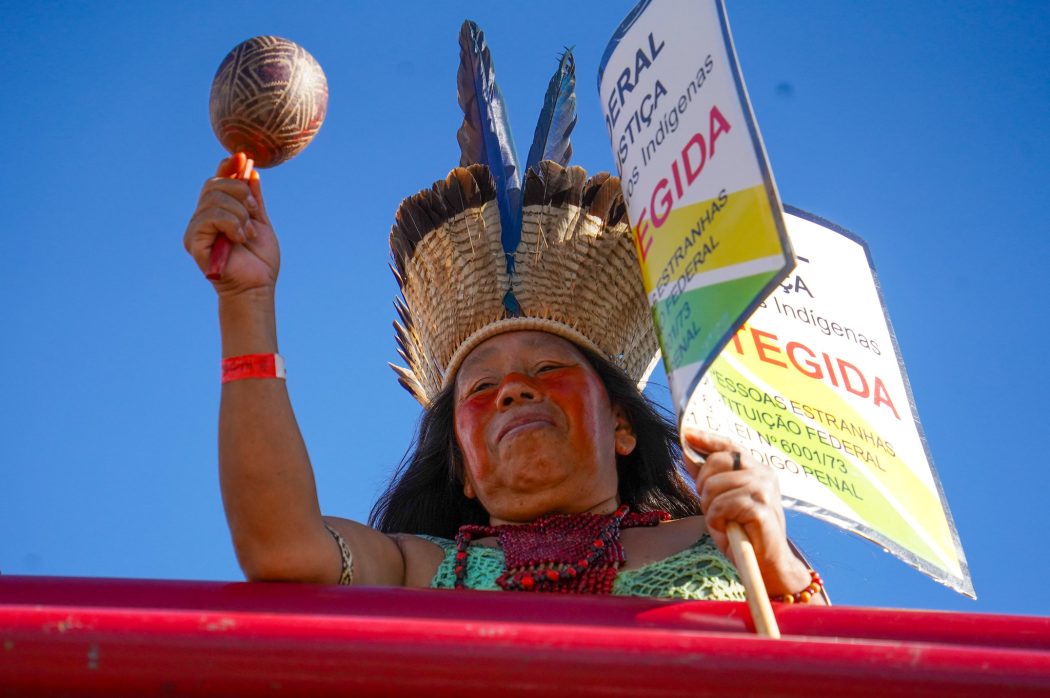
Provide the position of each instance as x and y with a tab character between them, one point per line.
536	429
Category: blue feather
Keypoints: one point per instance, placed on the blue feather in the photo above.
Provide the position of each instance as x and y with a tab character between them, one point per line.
557	118
485	135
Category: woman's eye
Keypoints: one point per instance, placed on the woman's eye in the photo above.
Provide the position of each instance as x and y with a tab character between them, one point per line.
547	367
483	385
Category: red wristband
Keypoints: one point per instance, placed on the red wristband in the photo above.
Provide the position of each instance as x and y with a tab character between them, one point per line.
236	368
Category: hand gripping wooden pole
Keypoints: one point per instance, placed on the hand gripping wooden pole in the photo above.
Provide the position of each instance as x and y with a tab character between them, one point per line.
747	565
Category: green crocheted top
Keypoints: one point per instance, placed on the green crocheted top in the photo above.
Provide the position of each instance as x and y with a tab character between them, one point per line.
698	572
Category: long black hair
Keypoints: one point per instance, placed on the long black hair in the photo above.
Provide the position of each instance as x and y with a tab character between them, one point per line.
425	494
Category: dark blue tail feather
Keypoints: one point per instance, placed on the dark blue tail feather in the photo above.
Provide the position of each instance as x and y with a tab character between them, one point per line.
557	118
485	136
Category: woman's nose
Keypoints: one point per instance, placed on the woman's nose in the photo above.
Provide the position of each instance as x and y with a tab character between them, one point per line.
516	387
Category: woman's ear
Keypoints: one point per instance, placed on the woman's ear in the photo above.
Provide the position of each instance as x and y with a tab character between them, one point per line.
624	435
468	489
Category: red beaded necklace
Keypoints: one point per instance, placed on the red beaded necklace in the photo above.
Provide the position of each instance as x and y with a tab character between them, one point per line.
567	553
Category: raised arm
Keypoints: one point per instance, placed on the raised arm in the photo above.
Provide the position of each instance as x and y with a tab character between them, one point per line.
267	482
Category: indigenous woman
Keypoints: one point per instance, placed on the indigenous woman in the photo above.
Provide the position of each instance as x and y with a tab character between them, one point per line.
539	466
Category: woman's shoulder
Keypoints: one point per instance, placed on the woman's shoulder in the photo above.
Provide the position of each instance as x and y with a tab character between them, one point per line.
445	544
643	546
484	563
423	555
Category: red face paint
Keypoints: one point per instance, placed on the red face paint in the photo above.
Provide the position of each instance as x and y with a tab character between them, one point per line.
535	426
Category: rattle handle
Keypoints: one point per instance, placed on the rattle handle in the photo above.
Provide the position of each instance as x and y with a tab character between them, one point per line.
220	251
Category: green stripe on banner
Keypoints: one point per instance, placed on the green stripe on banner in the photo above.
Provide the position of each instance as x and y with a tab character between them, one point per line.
691	324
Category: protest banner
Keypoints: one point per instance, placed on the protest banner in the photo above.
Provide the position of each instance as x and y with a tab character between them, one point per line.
699	190
814	386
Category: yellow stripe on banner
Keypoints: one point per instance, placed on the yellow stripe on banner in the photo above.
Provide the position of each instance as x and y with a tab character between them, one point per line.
839	427
728	230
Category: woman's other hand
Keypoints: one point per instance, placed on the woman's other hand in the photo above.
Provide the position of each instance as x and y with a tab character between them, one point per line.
234	208
750	496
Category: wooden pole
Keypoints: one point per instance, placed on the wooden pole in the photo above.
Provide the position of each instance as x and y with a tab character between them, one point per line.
747	565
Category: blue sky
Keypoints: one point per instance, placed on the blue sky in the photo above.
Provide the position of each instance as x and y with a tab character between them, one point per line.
919	126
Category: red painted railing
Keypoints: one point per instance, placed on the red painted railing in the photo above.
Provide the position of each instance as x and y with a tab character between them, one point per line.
109	637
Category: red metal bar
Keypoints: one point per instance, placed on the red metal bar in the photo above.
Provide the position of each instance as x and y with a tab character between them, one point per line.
114	637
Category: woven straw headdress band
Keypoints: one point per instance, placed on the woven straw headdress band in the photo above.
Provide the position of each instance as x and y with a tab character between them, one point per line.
574	273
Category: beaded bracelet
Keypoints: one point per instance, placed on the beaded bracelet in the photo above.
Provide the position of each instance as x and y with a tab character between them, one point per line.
815	586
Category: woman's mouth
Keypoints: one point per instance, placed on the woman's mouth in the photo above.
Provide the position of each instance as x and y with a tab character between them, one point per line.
522	424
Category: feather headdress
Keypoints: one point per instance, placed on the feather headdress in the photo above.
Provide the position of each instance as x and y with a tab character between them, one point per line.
483	252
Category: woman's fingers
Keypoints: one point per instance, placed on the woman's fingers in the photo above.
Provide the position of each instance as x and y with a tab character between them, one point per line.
219	210
762	492
205	229
734	487
729	470
246	193
226	222
231	208
230	166
719	462
256	204
230	170
759	520
698	447
227	207
224	201
726	462
721	455
237	189
706	442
